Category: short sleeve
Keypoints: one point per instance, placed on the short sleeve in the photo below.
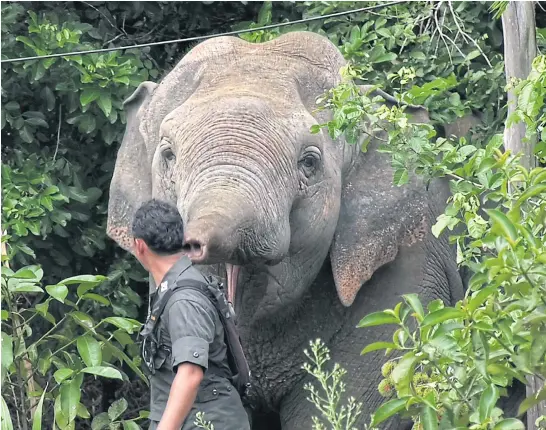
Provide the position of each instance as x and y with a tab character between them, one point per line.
191	329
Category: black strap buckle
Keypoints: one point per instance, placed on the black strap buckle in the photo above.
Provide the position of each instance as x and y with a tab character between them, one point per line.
148	352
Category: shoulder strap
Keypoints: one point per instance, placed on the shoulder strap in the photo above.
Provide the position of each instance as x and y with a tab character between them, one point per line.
236	357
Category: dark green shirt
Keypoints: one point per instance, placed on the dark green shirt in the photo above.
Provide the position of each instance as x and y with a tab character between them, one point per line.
190	325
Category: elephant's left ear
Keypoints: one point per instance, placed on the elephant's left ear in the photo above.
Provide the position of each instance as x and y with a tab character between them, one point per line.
376	217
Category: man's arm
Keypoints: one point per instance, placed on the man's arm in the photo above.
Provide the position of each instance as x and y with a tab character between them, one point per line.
181	397
191	329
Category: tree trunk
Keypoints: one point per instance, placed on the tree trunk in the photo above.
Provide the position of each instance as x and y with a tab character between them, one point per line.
518	24
519	27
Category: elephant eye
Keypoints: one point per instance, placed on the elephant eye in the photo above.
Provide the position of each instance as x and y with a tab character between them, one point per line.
309	162
168	154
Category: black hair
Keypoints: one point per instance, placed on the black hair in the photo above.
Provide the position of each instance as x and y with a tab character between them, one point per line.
160	226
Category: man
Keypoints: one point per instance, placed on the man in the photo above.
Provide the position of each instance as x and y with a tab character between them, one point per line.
191	371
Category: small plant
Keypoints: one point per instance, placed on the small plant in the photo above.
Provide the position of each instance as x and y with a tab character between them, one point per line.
327	399
202	423
111	420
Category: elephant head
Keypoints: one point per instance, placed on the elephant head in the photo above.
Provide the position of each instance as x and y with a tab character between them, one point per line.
225	136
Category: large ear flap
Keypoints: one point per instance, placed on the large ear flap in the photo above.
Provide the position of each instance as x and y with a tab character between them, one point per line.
131	184
376	217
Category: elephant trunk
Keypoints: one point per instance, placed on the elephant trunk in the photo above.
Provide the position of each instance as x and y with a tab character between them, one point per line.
224	227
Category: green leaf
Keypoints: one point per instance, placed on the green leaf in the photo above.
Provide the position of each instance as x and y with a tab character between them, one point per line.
127	324
63	374
415	303
106	372
389	56
70	397
37	420
531	401
441	316
122	337
130	425
531	192
510	424
429	419
26	287
82	412
83	279
488	401
507	227
387	410
89	95
481	297
117	408
400	177
378	345
100	421
59	292
30	273
5	417
402	374
105	103
377	318
7	354
89	350
97	298
82	319
442	222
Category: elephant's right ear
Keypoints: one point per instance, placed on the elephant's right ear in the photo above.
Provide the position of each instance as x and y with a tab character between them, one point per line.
376	217
131	183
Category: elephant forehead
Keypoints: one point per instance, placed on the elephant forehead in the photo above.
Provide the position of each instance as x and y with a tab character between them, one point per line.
245	115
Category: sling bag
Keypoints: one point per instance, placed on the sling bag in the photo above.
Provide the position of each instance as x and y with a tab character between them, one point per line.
213	290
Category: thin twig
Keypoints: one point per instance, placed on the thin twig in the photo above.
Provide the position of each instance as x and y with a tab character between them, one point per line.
107	19
441	34
465	35
112	40
58	133
12	385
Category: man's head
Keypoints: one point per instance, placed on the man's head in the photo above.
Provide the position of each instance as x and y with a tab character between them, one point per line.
158	232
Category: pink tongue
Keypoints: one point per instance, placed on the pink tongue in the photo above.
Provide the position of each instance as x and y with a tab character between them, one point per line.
232	274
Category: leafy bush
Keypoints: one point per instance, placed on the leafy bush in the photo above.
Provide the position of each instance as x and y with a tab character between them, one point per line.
51	369
454	363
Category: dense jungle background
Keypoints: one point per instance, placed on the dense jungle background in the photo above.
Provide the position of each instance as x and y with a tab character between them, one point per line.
62	123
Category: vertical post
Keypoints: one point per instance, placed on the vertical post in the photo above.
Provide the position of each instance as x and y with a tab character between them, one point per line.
519	30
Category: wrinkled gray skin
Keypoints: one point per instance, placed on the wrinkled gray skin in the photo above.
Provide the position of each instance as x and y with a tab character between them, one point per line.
321	234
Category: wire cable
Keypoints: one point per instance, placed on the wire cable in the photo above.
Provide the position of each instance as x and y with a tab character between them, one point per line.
196	38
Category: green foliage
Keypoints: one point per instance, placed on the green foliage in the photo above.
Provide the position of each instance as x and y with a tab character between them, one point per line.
456	44
454	363
52	112
52	365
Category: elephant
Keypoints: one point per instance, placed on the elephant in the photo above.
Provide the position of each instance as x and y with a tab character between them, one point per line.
309	231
